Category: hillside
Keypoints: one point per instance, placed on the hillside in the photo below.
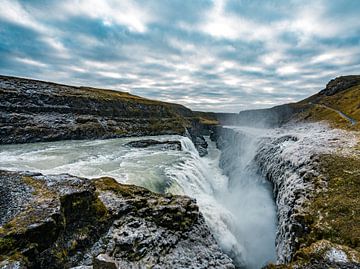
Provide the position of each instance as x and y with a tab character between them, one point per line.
338	104
32	111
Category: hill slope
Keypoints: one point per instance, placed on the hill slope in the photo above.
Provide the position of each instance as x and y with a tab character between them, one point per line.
338	104
32	110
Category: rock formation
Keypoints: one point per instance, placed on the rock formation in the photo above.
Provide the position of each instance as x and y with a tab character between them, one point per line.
165	145
33	111
62	221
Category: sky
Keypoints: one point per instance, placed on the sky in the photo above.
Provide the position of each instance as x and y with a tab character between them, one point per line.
215	55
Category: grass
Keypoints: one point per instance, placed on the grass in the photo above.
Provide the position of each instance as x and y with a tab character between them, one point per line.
335	214
347	101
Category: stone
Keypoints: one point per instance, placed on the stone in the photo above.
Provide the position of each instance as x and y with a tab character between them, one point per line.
103	261
67	221
162	145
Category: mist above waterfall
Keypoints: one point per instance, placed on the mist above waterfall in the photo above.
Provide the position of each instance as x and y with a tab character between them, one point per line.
249	196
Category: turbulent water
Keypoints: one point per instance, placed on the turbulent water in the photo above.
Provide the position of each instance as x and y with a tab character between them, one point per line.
235	200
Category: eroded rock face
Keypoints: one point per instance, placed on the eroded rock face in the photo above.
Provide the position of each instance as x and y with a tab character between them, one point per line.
32	111
61	221
340	84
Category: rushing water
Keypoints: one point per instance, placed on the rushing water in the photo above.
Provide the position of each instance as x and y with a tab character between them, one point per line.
234	199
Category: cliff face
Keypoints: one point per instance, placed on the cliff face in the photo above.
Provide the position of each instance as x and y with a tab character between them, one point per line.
314	173
62	221
338	104
33	111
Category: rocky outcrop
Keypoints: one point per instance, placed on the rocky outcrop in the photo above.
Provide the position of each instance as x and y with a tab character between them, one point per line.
340	84
162	145
303	110
33	111
62	221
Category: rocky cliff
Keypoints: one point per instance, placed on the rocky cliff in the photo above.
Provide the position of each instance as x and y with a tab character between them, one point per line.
314	173
32	111
312	160
62	221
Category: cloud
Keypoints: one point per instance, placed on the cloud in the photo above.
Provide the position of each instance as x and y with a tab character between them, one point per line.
127	13
220	55
14	12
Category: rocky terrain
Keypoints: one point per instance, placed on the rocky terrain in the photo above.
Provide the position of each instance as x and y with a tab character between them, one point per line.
164	145
62	221
33	111
313	162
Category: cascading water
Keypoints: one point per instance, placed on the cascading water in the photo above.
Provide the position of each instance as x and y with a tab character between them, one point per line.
234	199
237	204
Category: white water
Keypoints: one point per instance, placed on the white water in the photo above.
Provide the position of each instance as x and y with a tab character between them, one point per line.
238	208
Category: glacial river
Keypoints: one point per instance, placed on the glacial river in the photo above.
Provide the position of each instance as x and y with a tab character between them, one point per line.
237	205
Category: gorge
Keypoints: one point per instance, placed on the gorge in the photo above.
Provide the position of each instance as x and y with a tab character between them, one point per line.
257	177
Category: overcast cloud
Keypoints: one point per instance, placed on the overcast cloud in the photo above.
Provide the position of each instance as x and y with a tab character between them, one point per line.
208	55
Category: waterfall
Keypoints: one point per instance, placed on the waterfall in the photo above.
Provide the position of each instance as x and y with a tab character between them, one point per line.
234	199
237	204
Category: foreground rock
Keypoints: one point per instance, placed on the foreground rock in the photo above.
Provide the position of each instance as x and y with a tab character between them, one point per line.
61	221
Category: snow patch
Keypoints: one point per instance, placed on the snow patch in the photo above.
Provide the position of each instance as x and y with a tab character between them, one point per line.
336	255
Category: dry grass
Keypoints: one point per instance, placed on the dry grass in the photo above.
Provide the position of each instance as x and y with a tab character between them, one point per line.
347	101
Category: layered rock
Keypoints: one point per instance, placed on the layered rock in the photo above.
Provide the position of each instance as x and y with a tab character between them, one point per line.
62	221
32	111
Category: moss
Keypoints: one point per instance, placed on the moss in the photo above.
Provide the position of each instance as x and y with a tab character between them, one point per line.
110	184
339	206
40	189
278	266
208	121
318	251
170	211
6	244
31	214
100	210
333	215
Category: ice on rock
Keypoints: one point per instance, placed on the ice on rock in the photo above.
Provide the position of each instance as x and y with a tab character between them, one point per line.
287	157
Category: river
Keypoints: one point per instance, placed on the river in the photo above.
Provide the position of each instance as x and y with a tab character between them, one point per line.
235	200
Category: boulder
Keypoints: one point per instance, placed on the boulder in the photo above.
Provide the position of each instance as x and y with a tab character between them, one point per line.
162	145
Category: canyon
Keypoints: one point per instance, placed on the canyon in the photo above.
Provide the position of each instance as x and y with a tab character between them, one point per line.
274	188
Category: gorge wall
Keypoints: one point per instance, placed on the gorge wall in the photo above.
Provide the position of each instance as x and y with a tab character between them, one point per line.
292	158
32	111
